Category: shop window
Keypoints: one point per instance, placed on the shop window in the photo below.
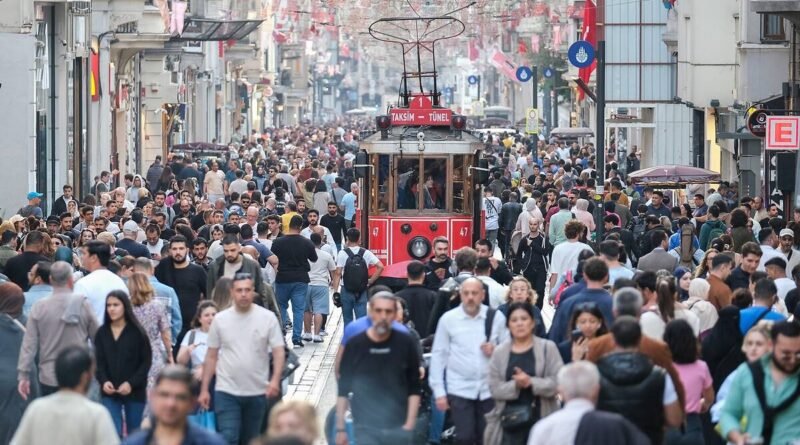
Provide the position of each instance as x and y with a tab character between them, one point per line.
772	28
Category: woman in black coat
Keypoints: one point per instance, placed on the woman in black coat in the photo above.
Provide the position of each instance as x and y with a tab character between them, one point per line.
123	357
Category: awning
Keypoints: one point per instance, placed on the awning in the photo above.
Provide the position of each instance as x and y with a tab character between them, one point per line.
204	29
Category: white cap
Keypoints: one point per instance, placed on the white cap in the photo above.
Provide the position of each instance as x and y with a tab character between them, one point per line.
130	227
787	232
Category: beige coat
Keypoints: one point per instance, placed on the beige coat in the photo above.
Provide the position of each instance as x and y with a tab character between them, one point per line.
548	362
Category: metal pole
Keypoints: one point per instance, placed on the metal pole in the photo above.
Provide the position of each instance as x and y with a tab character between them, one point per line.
600	135
796	109
479	87
554	105
535	84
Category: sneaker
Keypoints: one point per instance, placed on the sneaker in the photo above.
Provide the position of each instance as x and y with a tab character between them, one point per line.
298	344
288	324
318	339
322	333
306	336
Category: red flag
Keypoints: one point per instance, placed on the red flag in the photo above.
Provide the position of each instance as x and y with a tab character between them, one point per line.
472	50
521	48
588	33
94	79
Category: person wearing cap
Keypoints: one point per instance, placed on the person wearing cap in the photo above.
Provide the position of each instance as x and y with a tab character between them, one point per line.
776	270
786	247
768	242
53	224
34	200
130	230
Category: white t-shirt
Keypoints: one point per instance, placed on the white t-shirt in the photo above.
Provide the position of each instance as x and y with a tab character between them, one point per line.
565	256
320	273
215	182
96	286
653	325
201	340
784	285
497	292
155	250
369	257
245	341
492	207
328	237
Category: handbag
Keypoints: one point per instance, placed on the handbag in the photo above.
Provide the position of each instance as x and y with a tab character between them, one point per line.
521	415
205	419
291	364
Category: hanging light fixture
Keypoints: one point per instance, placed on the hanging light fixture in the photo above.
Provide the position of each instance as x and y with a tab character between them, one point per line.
79	12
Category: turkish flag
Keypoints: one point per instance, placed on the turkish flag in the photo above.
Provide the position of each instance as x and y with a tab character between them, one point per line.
588	33
472	50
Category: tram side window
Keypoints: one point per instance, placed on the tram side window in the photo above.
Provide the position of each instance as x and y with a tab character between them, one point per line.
435	183
458	184
407	172
383	183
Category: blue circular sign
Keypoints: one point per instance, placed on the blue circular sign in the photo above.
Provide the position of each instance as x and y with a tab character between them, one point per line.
581	54
548	72
473	79
524	74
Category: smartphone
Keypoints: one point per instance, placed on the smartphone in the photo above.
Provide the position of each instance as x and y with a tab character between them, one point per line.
576	335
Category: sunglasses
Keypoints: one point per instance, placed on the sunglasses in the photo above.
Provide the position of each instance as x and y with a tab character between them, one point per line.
242	276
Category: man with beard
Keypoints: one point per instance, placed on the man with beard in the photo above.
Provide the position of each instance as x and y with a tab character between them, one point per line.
384	368
773	382
160	219
500	272
187	279
313	222
334	222
232	262
200	253
440	267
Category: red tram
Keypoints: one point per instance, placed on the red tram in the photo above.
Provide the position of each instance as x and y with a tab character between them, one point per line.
419	173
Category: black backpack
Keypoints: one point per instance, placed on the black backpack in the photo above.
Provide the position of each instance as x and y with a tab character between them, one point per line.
356	272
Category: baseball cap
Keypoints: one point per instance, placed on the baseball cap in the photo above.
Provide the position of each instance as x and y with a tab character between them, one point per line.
33	195
130	227
52	219
787	232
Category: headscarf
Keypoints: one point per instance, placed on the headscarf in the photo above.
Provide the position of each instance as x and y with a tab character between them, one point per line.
11	299
65	254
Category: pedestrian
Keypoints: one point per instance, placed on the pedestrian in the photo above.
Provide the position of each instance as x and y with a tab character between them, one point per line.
244	377
295	253
586	324
292	419
520	291
491	205
123	354
740	276
765	295
533	258
440	266
522	379
61	320
664	308
381	370
353	263
464	341
696	380
12	333
631	385
17	267
95	257
186	279
335	223
499	272
565	255
699	304
419	299
39	279
773	407
164	294
578	421
152	316
232	262
320	276
67	416
171	402
192	353
595	274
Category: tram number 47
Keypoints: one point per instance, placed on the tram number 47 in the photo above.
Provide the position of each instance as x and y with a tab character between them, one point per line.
463	231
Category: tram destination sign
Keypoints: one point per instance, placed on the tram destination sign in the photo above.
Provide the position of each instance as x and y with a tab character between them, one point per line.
421	112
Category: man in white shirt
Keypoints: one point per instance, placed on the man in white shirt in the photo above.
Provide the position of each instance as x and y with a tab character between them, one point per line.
247	334
68	417
318	297
579	387
354	295
460	355
565	255
214	185
95	256
491	205
768	240
788	250
776	269
497	292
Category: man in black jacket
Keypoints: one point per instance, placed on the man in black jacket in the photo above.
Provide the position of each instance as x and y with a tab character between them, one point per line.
500	272
625	235
60	204
509	213
440	267
419	299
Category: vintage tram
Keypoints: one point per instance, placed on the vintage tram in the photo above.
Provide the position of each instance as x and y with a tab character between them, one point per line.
421	173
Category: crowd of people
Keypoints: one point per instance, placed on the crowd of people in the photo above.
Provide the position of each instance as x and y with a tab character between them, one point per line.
169	307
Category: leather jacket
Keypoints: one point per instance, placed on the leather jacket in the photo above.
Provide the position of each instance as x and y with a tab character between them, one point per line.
509	213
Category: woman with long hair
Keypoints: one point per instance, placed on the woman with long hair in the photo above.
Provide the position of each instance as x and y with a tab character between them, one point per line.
522	375
587	323
192	353
696	380
683	276
655	317
123	354
740	232
165	181
705	265
521	291
221	295
153	317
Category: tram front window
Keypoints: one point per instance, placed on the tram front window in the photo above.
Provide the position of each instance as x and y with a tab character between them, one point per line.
407	184
435	185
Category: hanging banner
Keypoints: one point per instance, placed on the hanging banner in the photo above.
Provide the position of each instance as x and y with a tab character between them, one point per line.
94	76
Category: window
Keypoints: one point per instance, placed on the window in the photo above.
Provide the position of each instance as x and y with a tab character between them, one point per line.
407	183
435	184
772	29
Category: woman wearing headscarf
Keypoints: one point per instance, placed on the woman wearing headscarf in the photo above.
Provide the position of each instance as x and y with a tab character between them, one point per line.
531	211
12	331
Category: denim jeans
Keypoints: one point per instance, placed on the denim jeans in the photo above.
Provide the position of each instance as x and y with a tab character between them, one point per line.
353	303
239	417
133	413
437	423
296	293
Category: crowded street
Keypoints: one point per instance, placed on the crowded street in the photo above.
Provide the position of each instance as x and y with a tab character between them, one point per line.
400	222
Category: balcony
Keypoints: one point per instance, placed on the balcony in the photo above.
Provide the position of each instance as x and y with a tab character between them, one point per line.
788	9
670	34
205	29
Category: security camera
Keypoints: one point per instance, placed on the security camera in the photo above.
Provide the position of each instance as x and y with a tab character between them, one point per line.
420	136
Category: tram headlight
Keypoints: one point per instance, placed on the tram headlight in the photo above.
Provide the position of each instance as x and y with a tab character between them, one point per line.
419	247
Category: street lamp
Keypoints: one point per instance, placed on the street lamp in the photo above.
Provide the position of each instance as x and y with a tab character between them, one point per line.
79	12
